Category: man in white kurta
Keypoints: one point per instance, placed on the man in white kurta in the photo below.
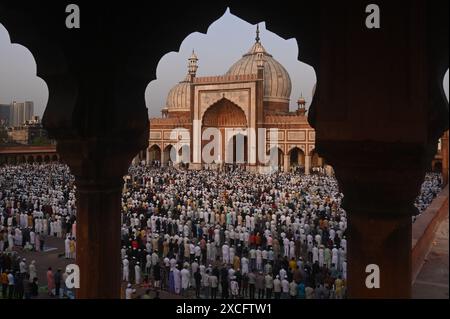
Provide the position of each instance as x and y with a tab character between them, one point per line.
334	256
321	256
137	274
226	253
244	265
67	246
315	254
176	280
185	279
125	269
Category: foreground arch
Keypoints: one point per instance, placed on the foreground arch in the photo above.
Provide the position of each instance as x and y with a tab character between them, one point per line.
380	178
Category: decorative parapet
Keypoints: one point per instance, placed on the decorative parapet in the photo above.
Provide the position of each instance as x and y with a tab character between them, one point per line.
291	118
225	78
169	121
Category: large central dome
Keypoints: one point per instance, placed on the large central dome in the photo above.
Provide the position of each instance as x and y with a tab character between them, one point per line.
277	83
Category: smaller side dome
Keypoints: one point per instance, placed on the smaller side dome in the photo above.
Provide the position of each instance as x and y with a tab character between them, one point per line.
179	97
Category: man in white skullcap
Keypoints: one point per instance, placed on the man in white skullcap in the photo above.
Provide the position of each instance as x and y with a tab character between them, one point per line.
185	279
129	291
125	269
226	253
137	273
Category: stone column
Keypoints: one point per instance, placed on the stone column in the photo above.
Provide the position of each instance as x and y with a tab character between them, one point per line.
320	161
98	240
98	167
379	206
162	158
381	239
379	157
299	158
98	157
197	142
286	163
444	152
307	164
147	156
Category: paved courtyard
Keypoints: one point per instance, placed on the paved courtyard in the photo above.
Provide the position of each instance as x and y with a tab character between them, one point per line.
432	281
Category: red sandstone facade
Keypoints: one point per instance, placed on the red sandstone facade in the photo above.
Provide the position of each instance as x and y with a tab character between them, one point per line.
251	102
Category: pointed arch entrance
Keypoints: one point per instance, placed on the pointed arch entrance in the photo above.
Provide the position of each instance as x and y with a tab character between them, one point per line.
297	159
166	159
280	157
154	154
229	122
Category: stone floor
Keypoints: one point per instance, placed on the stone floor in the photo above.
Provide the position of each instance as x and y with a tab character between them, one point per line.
433	281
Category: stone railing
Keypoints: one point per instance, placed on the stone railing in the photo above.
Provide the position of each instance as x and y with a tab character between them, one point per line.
27	149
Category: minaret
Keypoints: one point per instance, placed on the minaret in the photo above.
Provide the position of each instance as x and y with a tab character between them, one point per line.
301	103
260	60
192	66
164	112
259	50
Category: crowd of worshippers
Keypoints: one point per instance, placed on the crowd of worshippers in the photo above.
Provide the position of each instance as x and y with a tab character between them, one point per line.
236	234
19	280
232	234
36	201
431	187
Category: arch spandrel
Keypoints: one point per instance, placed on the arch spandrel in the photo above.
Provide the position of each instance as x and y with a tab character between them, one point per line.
240	98
233	114
155	145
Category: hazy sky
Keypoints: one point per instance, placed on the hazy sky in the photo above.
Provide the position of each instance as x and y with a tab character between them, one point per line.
226	40
18	80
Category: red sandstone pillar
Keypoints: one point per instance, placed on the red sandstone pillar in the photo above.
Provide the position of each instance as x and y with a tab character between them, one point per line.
382	240
379	205
444	152
98	168
98	238
376	126
307	164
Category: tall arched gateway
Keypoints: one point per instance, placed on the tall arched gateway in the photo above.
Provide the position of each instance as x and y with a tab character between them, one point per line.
221	124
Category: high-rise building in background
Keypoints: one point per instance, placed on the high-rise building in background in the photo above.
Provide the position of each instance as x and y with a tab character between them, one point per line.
29	111
22	126
5	114
18	110
21	113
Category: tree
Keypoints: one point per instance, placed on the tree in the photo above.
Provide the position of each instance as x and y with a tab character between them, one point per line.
40	141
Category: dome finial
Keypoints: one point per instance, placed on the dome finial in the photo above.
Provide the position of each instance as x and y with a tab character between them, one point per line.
301	102
257	33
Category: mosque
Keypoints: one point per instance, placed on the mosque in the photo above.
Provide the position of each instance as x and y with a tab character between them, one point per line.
248	105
